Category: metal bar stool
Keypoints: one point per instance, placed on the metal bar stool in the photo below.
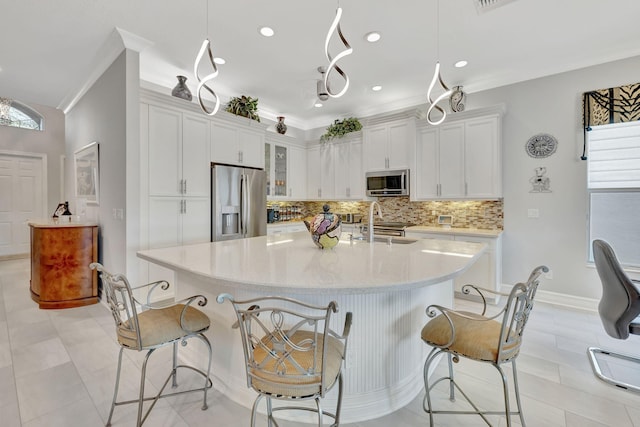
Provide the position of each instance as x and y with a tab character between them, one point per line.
146	326
495	340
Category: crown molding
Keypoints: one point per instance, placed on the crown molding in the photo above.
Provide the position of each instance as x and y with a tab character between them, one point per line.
117	41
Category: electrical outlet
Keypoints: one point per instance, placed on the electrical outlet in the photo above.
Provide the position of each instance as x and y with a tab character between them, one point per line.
117	214
533	213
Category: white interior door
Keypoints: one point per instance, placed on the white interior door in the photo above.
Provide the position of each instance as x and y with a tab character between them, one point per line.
21	199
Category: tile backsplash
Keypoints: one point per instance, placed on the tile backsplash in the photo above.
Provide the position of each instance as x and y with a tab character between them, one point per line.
482	214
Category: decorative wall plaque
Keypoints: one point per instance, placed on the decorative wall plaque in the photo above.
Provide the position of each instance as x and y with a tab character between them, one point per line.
541	145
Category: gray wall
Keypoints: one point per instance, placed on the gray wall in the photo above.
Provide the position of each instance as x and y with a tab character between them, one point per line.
49	142
101	115
558	237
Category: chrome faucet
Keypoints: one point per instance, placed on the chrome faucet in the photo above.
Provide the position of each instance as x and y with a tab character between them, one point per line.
370	226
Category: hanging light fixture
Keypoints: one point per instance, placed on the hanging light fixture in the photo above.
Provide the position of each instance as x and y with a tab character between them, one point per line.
333	61
321	88
202	82
433	104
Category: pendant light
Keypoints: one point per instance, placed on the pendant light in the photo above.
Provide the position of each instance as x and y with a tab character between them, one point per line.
202	82
433	104
321	88
334	60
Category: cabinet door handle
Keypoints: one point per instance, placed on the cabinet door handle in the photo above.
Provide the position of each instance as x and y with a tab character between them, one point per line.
466	189
240	156
348	191
185	187
319	192
290	192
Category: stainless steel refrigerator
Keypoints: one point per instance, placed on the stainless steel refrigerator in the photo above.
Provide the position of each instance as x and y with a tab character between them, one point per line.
238	202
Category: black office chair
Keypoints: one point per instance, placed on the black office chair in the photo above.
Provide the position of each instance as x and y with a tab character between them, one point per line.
619	308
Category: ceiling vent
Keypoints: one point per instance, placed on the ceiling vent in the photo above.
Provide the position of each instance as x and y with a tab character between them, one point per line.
487	5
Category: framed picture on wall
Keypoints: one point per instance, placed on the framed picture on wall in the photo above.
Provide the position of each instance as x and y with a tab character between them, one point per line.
87	173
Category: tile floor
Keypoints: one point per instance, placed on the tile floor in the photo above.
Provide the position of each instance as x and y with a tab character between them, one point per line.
57	368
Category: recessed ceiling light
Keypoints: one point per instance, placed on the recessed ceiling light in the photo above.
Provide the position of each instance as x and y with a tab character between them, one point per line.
219	60
376	88
266	31
318	104
461	64
372	37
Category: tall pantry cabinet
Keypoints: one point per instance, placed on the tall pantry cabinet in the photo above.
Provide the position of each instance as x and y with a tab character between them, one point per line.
175	177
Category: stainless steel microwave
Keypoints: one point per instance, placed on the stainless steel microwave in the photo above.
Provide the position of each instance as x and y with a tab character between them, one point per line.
388	183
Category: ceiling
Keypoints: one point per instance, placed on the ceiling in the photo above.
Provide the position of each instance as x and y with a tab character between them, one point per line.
55	45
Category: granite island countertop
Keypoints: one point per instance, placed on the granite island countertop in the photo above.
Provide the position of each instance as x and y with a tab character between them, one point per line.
290	261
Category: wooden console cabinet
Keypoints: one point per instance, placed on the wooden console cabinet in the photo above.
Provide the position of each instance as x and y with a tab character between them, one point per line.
60	258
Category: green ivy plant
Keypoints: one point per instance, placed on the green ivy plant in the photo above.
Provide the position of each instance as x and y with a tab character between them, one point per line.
244	106
340	128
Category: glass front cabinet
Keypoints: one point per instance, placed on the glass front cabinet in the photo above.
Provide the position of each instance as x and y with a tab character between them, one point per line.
275	161
285	164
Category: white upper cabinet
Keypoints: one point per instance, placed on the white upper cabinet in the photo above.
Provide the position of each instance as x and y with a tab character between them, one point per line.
165	151
348	173
459	160
483	157
334	169
320	172
451	161
195	147
389	145
234	145
297	177
178	143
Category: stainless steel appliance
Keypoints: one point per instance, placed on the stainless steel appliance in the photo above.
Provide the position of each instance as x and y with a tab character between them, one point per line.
388	183
238	202
388	228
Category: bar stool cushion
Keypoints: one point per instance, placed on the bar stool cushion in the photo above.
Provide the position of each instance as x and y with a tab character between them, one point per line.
476	339
160	326
300	380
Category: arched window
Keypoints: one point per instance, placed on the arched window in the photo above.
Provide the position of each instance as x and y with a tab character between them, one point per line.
16	114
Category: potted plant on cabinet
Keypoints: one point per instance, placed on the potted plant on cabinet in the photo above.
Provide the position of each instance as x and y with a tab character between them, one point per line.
244	106
340	128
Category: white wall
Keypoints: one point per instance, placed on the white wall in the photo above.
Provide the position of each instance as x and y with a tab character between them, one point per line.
558	238
49	142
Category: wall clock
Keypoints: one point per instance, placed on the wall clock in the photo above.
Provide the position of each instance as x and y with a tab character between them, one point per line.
541	145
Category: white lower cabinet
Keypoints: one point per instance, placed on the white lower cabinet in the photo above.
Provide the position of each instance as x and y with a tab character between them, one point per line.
486	272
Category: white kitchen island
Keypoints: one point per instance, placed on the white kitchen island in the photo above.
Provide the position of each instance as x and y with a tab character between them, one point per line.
386	287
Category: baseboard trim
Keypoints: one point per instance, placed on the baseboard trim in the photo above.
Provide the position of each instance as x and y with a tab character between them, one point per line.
13	256
563	300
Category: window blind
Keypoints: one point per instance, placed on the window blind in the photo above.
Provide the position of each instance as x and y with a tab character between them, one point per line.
614	156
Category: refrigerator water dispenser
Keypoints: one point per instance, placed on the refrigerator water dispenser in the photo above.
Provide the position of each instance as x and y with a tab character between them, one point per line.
230	223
